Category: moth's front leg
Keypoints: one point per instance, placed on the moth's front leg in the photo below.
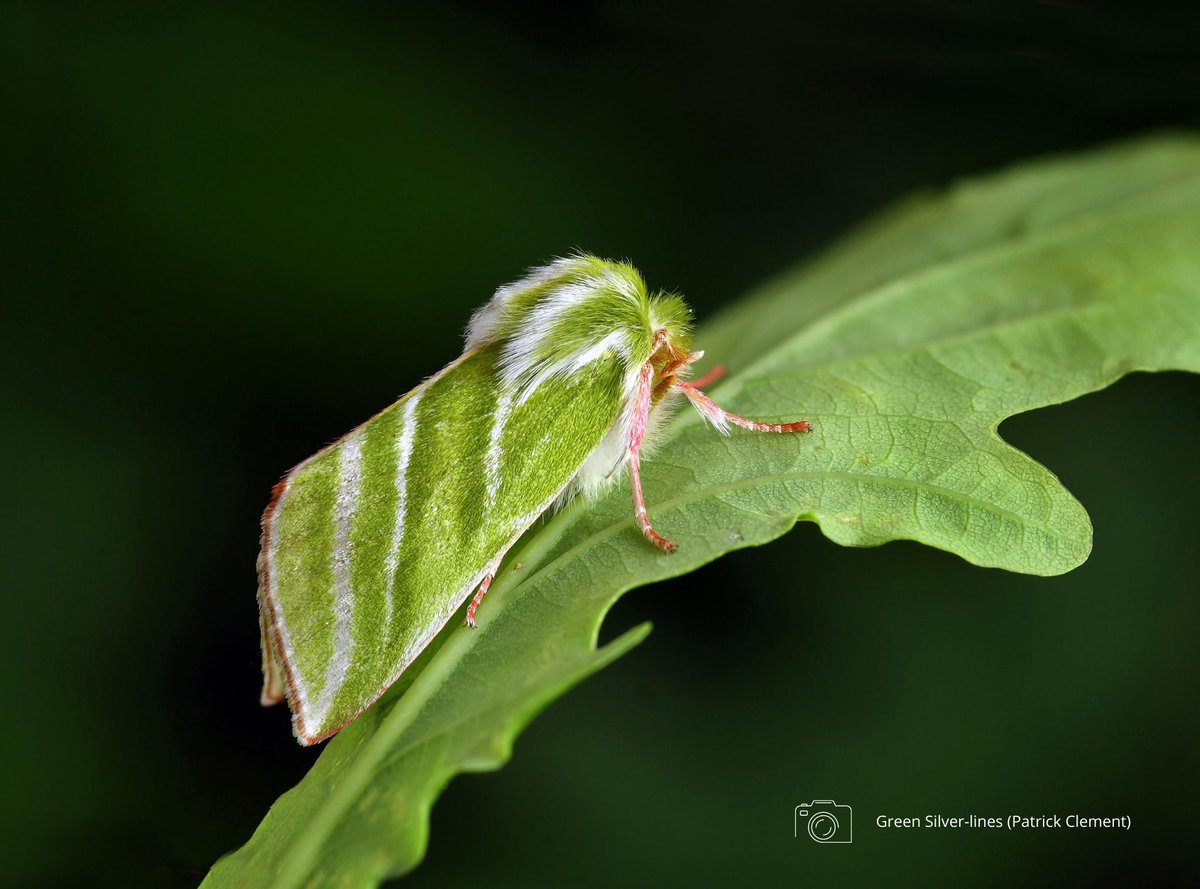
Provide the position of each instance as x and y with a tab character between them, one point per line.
637	432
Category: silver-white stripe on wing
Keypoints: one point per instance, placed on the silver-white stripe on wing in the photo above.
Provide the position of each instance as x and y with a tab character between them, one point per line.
345	506
616	341
495	451
404	446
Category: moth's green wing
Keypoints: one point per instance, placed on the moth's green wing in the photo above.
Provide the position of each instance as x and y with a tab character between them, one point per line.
372	544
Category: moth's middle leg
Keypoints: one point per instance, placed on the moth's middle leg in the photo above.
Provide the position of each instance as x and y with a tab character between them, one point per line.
719	415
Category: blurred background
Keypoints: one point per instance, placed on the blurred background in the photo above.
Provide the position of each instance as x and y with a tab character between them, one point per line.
233	232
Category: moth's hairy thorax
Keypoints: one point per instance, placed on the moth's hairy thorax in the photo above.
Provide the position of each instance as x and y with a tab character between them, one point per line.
561	319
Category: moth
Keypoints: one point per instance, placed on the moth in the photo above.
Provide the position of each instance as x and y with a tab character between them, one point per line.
373	543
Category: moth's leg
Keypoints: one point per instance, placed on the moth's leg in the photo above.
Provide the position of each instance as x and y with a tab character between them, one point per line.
720	416
668	381
474	606
481	592
637	433
669	371
709	378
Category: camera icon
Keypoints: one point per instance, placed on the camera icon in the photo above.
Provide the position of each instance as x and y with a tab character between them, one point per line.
825	821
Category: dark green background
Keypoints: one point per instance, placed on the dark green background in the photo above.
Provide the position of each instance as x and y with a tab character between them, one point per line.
231	234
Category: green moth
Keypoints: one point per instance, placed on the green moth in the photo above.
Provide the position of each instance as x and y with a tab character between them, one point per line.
372	544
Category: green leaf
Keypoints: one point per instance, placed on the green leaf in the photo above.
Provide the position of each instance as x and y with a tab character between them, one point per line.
906	346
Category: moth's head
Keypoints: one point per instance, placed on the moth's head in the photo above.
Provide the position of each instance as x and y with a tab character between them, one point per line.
671	319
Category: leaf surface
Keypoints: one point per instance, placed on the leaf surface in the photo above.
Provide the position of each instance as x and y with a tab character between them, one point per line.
906	346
